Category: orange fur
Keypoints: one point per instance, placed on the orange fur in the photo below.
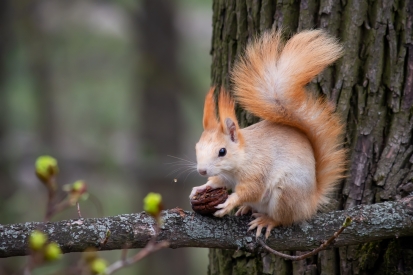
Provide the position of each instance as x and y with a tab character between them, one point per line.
269	82
226	108
210	120
283	167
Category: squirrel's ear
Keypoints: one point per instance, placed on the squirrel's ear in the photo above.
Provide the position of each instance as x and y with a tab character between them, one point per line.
230	129
229	123
210	120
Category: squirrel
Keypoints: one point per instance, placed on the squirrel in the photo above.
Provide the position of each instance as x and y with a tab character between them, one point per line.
283	168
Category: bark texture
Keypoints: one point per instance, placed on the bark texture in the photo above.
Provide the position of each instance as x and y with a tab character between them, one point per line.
372	87
188	229
7	187
38	45
159	111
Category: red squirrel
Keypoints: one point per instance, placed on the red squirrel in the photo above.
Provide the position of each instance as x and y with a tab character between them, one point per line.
284	167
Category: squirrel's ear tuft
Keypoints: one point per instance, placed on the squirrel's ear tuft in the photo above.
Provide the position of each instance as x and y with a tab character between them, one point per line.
210	120
229	123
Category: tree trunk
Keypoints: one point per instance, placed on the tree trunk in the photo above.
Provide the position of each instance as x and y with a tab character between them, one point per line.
372	87
7	187
37	43
161	130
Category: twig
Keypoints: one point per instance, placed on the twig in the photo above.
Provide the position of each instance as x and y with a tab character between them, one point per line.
151	247
323	246
32	262
124	254
78	210
52	210
27	270
51	190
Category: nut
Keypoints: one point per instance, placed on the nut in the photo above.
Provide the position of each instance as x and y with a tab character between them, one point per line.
204	202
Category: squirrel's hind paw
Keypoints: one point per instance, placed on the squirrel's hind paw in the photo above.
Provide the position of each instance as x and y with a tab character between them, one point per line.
261	221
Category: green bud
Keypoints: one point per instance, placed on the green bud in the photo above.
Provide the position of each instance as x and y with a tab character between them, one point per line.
347	221
52	252
77	191
46	168
84	197
79	186
37	240
98	266
90	255
152	204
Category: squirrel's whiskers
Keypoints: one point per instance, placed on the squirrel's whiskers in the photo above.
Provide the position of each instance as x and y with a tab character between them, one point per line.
181	166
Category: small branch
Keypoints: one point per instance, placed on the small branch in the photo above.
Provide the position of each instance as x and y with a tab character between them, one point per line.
51	192
78	210
187	229
323	246
27	270
151	247
124	254
54	209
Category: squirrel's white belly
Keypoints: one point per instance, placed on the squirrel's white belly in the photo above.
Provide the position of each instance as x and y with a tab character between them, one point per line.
282	190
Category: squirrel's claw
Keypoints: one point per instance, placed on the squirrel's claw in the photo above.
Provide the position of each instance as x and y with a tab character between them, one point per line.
226	207
244	209
197	189
262	220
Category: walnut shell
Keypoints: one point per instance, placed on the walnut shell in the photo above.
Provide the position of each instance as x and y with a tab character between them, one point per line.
204	202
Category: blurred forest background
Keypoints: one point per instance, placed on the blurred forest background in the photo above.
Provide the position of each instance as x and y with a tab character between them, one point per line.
109	88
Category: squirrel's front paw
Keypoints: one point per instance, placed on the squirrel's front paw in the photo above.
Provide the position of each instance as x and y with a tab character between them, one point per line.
196	189
243	210
226	207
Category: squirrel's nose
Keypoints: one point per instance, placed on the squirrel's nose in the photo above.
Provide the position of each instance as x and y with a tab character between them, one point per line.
202	172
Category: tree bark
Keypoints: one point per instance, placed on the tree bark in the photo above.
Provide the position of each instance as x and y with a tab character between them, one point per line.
372	87
161	122
7	187
37	42
188	229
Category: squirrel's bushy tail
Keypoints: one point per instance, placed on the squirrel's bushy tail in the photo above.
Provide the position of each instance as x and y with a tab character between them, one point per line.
269	82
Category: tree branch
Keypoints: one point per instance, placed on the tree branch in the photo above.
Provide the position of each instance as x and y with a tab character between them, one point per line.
188	229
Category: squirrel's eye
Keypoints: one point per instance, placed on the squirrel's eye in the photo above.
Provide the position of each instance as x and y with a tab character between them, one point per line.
222	152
